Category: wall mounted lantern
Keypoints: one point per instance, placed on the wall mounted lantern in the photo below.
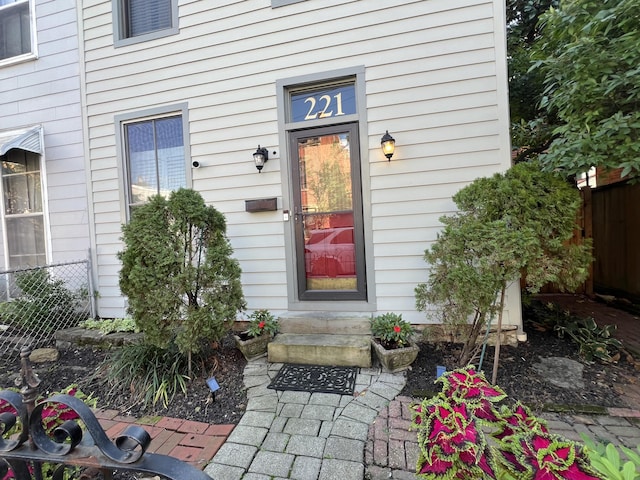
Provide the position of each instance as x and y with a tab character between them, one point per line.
260	157
388	145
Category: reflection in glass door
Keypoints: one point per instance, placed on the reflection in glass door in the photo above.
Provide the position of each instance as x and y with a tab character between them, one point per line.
327	214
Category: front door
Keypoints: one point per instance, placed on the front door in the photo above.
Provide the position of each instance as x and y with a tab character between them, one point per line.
328	213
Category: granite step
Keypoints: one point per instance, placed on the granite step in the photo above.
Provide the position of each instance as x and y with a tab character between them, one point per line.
321	349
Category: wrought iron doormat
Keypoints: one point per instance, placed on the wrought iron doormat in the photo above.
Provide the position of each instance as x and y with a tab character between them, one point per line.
315	379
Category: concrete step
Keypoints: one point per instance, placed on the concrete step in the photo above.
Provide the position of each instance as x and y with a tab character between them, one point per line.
321	349
325	323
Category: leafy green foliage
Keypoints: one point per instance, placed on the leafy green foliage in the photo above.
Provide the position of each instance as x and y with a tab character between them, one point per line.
150	373
525	85
588	53
508	224
182	284
391	330
261	322
606	460
595	343
110	325
453	426
44	302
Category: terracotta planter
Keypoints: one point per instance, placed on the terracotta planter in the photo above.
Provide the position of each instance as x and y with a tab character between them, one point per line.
395	360
253	347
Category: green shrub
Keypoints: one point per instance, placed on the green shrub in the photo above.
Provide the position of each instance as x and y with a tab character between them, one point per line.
511	224
182	284
43	304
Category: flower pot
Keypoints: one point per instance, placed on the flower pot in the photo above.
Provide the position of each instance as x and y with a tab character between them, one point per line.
397	359
253	348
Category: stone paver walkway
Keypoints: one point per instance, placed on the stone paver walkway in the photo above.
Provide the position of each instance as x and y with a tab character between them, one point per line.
300	435
304	436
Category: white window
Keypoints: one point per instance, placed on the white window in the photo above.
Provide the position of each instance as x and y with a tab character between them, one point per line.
155	156
23	209
142	20
17	31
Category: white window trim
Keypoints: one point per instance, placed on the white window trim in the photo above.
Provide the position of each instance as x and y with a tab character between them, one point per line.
33	54
118	31
45	204
122	120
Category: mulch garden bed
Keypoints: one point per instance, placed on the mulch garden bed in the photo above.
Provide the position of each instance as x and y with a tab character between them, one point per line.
516	375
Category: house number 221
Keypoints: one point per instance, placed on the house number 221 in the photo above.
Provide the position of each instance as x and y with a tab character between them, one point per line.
324	106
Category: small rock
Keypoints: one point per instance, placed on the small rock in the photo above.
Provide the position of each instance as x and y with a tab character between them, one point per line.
561	372
41	355
606	298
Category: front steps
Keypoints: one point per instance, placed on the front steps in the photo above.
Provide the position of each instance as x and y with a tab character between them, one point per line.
322	339
321	349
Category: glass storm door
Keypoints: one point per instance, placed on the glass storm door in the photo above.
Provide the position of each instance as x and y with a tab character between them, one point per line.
328	213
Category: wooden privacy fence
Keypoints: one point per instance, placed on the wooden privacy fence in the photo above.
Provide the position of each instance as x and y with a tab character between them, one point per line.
610	216
616	239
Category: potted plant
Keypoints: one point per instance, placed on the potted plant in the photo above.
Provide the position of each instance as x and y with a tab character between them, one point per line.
392	342
253	341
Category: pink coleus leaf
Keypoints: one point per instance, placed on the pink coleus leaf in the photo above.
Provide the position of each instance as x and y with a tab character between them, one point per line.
517	420
436	466
468	385
546	457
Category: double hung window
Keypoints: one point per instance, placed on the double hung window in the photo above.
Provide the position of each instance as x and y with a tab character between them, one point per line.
155	158
23	209
142	20
16	31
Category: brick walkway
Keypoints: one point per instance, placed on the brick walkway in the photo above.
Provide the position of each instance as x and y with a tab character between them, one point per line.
392	450
193	442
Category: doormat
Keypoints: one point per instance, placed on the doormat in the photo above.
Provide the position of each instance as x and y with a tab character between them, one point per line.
315	379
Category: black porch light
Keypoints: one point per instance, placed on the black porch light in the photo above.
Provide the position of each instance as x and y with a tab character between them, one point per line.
388	145
260	157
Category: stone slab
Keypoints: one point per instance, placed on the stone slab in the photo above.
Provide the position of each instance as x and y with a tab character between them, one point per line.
321	349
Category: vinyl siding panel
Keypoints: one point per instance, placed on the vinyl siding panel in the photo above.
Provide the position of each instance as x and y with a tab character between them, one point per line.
435	77
46	92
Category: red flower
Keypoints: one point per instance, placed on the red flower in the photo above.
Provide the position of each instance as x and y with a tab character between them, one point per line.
397	329
261	325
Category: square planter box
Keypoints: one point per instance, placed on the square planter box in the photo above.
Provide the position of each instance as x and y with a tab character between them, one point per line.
395	360
253	347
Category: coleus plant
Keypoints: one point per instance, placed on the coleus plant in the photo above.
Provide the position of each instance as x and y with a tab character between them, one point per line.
452	430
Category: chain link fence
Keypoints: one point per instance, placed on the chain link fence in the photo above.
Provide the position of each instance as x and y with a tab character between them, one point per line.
37	302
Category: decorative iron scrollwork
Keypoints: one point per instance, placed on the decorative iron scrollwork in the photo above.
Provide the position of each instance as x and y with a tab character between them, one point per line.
81	442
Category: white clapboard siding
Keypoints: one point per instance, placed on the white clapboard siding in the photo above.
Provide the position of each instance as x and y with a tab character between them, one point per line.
434	77
46	91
